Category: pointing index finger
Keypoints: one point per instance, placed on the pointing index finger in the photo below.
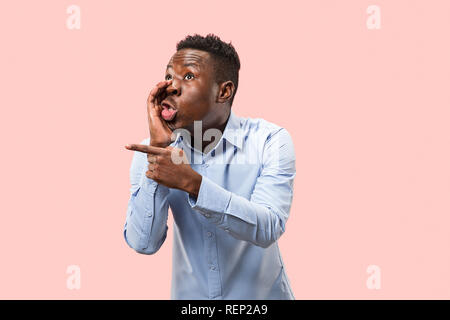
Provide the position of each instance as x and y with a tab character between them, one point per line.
145	148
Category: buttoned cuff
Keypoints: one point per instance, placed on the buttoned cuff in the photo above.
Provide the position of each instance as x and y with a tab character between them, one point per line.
212	200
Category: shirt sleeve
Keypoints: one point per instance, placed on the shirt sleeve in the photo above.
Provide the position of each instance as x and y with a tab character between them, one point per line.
261	219
145	228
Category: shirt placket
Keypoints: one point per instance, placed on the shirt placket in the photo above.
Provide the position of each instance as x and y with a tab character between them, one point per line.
209	234
200	163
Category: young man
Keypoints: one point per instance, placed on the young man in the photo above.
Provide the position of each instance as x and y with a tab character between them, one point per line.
230	198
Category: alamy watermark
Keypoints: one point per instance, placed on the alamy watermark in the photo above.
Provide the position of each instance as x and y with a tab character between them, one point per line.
373	21
74	279
229	150
73	21
373	282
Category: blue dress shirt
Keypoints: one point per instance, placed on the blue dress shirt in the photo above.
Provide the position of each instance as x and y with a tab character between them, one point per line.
225	241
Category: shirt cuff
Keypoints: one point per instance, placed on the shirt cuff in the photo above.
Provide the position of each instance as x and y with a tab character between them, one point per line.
212	200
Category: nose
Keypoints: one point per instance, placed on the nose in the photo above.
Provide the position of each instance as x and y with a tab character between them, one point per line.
172	89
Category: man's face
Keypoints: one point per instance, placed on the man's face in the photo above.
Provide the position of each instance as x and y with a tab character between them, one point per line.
193	90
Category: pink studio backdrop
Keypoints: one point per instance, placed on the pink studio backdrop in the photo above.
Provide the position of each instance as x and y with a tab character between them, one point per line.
368	110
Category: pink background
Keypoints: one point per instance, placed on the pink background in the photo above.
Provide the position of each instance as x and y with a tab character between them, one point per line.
368	110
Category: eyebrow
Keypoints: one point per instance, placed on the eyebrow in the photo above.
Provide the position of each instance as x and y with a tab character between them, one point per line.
186	65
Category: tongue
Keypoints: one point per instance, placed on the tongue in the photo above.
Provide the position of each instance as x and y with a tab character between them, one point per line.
168	114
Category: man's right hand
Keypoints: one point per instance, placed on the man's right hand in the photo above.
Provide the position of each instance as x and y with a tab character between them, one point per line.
160	133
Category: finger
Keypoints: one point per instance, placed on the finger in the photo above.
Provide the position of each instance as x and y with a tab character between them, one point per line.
151	158
155	94
146	148
161	94
155	98
152	175
149	174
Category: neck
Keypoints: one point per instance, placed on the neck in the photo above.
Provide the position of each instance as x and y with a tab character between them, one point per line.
219	126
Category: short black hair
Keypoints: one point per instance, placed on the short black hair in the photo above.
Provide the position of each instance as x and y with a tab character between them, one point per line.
226	60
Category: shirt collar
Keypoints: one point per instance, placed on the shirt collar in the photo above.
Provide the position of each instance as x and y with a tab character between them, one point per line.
232	132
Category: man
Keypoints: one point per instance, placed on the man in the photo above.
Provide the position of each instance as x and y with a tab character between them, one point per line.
228	214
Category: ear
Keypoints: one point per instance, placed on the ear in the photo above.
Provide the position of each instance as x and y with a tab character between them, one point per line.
226	90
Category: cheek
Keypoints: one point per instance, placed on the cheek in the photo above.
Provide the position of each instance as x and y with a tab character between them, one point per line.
200	92
195	102
193	95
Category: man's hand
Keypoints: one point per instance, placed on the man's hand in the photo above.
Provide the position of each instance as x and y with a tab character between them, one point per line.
169	166
160	133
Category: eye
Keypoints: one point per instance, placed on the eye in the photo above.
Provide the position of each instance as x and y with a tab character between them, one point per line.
167	75
189	74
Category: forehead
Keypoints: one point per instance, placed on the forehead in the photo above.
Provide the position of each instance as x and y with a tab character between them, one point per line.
190	57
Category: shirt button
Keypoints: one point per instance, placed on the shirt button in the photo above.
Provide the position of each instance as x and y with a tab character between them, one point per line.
209	234
150	214
213	268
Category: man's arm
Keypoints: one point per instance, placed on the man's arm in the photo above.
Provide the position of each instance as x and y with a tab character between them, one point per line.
145	228
262	219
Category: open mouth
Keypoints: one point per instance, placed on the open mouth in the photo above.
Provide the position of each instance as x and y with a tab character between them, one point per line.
168	113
